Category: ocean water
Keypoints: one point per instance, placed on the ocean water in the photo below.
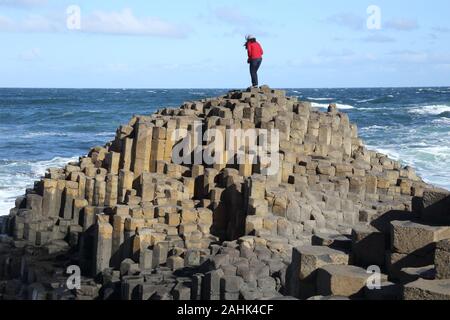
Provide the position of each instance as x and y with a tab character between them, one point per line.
42	128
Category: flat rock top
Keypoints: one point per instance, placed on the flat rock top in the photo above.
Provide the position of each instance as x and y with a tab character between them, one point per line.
436	286
347	271
427	272
416	225
318	251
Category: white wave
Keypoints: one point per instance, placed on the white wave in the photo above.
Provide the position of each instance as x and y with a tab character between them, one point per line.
431	109
43	134
16	176
321	99
375	127
444	120
344	106
325	105
377	108
39	168
430	161
105	134
391	153
366	100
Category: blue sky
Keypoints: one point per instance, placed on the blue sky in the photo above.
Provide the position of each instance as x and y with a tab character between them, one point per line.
199	43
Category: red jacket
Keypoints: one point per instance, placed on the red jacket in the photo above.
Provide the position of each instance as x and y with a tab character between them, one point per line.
255	50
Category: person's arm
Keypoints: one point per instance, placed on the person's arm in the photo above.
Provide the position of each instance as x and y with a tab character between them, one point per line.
249	50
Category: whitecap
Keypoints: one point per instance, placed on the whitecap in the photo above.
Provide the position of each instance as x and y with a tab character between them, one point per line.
444	120
104	134
366	100
320	99
430	161
16	176
375	127
430	109
391	153
43	134
338	105
344	106
38	168
376	108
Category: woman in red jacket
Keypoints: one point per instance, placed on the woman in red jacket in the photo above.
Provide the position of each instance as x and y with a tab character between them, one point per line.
255	53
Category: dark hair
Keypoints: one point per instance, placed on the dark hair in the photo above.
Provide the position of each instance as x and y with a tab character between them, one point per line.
253	40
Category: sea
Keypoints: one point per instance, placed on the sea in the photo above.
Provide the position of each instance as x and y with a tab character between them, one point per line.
42	128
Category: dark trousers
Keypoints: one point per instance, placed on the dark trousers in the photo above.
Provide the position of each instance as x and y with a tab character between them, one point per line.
254	66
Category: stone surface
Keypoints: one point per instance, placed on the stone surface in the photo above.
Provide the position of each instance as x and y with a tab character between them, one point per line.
342	280
442	259
435	206
368	247
305	263
409	237
427	290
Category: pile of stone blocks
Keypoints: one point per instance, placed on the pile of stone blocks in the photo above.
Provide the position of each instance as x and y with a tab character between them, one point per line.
144	226
414	244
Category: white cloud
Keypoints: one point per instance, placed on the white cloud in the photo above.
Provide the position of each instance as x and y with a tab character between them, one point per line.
420	57
233	16
410	56
402	24
6	23
442	29
125	22
120	23
32	23
348	20
336	54
241	23
330	57
30	55
22	3
378	38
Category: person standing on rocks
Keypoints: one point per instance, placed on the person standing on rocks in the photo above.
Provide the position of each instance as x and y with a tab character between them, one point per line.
255	53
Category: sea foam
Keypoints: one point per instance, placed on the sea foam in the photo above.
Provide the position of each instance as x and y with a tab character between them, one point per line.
16	176
430	109
325	105
320	99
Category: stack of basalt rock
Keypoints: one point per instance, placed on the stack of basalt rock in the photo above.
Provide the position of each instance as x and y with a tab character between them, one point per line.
141	225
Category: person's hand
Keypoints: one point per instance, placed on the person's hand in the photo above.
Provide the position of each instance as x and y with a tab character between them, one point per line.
248	60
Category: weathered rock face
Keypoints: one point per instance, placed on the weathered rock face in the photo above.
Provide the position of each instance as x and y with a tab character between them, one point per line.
229	221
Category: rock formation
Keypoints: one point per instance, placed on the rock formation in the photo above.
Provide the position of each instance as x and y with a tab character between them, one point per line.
142	226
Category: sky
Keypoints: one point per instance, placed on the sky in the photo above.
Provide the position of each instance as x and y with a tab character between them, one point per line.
199	43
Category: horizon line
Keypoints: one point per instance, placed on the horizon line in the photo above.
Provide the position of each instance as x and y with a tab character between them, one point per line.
222	88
